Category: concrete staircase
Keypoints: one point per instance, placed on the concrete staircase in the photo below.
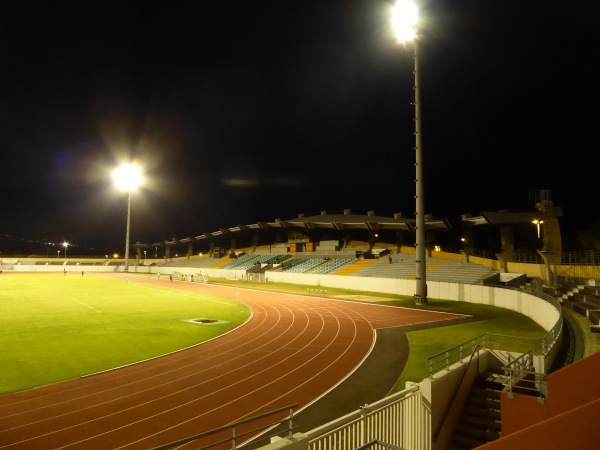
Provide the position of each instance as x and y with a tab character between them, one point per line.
480	420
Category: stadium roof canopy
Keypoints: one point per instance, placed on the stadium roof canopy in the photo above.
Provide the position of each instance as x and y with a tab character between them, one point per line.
504	217
335	222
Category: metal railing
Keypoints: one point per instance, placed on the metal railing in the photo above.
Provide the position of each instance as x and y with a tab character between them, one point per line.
402	420
581	258
522	377
378	444
446	359
233	427
474	352
575	258
316	292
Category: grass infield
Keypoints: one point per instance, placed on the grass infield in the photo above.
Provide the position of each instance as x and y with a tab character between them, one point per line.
55	327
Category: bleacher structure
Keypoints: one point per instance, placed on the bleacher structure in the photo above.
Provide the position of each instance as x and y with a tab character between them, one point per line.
402	265
581	298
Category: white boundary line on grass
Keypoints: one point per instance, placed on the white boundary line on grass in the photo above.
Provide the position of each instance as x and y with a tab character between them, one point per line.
84	304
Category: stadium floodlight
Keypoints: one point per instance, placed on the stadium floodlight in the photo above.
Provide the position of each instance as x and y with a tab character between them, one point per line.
538	223
65	245
127	177
404	20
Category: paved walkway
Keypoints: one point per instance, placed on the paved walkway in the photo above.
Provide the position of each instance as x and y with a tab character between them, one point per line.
591	341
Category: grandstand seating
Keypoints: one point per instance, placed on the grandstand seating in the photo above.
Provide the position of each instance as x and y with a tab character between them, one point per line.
235	263
331	265
249	260
438	269
582	299
305	265
202	262
351	269
402	265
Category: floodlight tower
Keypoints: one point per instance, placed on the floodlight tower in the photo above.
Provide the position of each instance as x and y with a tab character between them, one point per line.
405	18
127	177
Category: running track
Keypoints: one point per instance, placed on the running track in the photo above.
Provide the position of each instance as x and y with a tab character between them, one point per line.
294	349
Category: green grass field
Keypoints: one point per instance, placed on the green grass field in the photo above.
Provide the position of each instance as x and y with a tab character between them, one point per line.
55	327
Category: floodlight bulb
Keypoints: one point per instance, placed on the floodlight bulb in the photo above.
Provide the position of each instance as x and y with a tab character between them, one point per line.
127	177
404	19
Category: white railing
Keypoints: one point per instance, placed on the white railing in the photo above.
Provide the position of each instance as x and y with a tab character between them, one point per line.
402	420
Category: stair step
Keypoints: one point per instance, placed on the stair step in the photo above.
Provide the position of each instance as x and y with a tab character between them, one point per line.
493	414
484	402
480	420
495	384
487	423
465	442
485	393
477	433
457	446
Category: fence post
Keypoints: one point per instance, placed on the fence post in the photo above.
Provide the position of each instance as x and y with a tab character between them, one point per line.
291	424
363	424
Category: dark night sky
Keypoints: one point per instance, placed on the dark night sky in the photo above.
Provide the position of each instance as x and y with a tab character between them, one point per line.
249	111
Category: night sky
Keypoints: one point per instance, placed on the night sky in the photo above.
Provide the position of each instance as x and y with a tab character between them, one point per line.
241	112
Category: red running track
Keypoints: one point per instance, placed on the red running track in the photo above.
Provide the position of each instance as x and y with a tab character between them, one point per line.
293	349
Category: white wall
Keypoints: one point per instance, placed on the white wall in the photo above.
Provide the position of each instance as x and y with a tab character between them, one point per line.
539	310
59	268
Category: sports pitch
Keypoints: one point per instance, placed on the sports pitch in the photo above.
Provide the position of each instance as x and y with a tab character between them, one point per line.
55	327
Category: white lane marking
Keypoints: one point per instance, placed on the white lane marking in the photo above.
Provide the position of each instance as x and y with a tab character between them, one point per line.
85	304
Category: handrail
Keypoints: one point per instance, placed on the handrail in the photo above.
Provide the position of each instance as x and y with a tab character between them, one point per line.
444	360
521	375
552	335
455	393
232	426
379	444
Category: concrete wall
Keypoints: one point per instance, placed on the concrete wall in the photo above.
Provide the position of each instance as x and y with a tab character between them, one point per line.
540	311
59	268
447	392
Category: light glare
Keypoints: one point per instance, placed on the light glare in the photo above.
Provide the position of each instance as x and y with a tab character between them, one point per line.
404	20
127	177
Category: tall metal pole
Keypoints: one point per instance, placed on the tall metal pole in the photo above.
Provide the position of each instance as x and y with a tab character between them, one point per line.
421	253
128	229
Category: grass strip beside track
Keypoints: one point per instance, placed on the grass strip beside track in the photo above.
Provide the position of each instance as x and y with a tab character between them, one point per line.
55	327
